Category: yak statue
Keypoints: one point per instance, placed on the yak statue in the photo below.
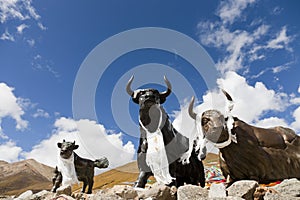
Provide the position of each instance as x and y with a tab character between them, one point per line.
72	168
249	152
161	145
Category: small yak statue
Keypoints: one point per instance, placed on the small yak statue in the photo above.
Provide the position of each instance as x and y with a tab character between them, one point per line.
71	168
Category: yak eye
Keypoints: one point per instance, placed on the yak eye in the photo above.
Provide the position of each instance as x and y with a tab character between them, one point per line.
204	121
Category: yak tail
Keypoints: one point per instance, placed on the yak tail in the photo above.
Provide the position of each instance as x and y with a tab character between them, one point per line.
101	163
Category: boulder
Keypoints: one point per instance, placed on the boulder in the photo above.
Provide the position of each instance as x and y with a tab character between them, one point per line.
244	189
64	190
217	191
158	192
44	194
288	187
188	192
123	191
25	195
103	195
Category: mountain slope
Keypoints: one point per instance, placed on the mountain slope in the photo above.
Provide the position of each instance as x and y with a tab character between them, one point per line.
18	177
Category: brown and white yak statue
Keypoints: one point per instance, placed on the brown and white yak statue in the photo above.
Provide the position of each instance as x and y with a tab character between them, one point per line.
248	152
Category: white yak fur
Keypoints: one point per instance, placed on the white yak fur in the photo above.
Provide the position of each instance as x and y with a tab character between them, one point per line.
156	156
67	168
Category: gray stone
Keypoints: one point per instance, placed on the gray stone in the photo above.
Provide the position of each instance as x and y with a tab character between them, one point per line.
63	197
123	191
64	190
190	192
44	194
25	195
289	187
158	192
217	191
103	195
244	189
276	196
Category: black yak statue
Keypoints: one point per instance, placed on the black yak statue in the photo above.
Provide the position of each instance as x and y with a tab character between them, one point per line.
161	145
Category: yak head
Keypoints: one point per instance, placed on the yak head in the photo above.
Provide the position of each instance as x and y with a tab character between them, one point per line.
148	97
66	148
213	123
149	101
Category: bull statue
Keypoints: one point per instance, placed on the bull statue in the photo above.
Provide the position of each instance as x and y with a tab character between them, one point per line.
249	152
71	168
161	145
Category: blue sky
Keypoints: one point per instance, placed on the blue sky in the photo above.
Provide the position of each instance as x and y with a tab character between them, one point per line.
249	47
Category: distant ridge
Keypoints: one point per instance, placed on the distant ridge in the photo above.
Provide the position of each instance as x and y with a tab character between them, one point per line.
21	176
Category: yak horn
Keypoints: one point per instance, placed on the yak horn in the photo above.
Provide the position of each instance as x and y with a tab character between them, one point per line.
168	91
191	109
229	98
227	95
128	86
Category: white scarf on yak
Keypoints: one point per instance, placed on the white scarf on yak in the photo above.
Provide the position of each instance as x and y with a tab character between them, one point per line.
67	169
156	156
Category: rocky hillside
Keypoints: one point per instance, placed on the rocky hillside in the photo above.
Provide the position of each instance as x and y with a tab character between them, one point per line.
18	177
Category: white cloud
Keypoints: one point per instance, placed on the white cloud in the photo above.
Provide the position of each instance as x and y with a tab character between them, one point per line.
250	102
296	123
281	41
41	113
299	89
42	27
7	36
271	122
278	69
230	10
238	45
12	151
17	9
21	28
31	42
9	106
93	139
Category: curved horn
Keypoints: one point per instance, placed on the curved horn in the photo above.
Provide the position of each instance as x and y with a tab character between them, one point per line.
168	91
191	109
128	86
227	95
229	98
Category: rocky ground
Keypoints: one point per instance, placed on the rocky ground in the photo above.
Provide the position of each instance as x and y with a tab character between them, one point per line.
288	189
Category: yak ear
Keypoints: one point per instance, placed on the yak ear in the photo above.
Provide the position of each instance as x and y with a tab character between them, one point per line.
76	146
135	97
162	100
59	145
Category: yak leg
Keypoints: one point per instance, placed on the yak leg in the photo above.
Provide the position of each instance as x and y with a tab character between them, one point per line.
142	179
90	183
57	180
85	184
